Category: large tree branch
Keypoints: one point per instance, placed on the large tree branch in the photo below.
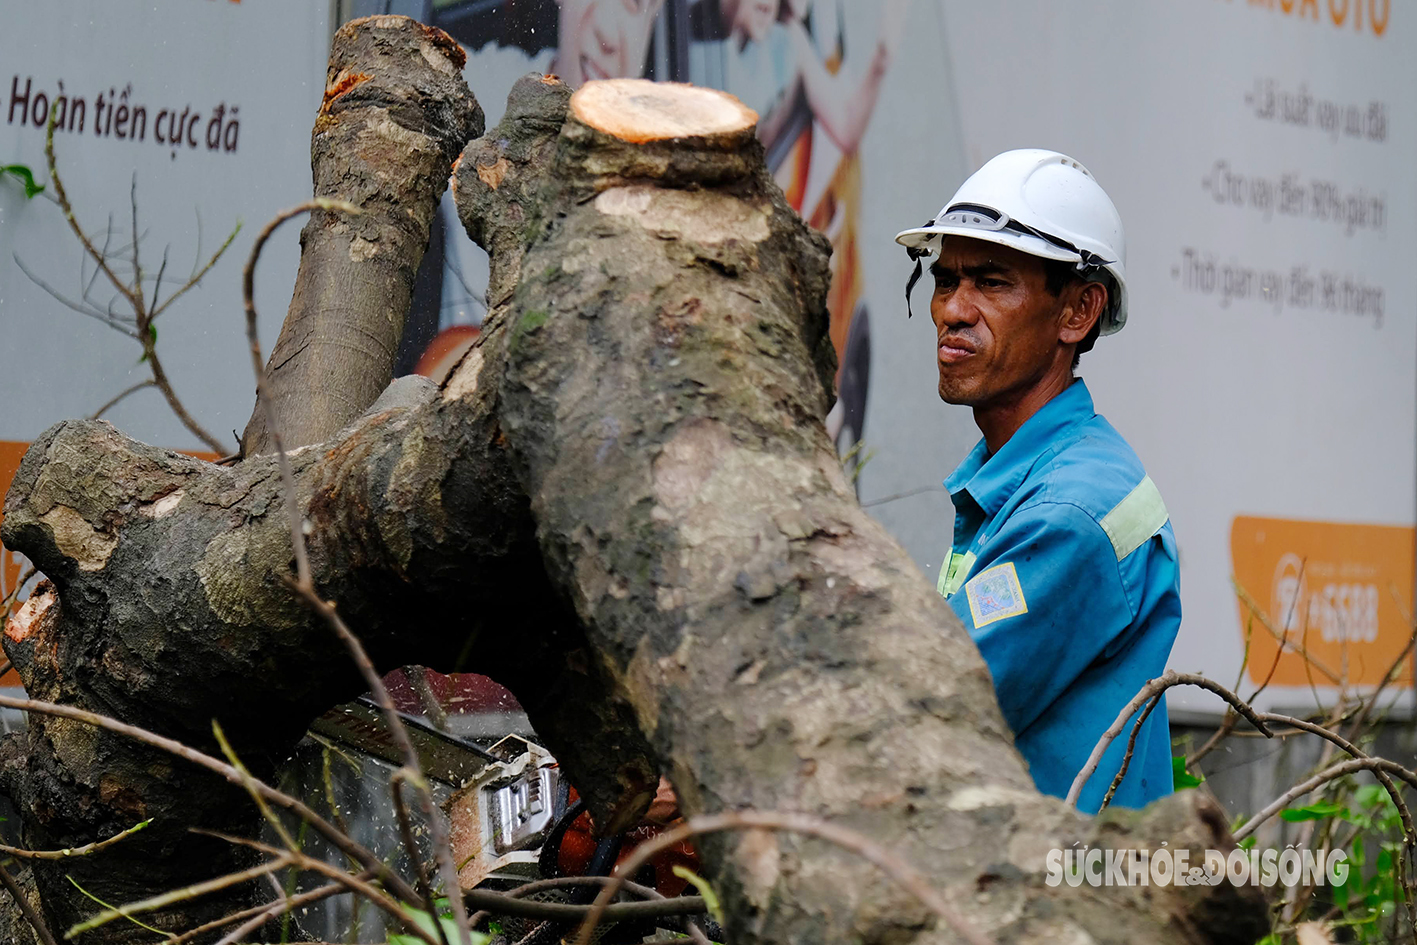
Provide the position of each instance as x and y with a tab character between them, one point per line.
663	397
173	608
396	112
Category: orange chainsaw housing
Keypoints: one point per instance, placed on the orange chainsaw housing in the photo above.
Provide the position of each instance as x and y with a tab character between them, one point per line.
579	842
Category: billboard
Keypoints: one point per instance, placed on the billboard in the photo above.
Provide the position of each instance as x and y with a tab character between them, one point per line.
1258	150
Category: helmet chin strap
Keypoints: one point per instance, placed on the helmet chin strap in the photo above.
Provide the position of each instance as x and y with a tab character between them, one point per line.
916	253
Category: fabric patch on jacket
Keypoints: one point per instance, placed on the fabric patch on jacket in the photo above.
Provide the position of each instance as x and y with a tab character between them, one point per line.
995	594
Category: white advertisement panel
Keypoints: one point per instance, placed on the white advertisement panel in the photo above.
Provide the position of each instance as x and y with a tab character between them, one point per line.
202	111
1260	153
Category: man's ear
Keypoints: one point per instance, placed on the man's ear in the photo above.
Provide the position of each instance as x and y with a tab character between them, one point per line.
1088	301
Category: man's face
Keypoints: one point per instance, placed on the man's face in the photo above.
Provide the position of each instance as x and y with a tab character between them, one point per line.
604	39
997	326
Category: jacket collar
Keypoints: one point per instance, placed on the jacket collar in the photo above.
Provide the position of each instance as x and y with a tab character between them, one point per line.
991	480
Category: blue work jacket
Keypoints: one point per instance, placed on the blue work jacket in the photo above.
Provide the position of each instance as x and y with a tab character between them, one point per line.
1064	571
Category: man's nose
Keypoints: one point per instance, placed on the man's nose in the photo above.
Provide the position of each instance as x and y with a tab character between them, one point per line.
960	307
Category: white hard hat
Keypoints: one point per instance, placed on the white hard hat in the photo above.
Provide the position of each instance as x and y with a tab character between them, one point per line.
1044	204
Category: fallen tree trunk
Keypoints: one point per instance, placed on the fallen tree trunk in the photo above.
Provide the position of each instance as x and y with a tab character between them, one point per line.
169	609
625	497
668	372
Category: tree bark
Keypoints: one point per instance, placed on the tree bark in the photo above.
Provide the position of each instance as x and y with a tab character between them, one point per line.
396	113
625	498
168	609
668	373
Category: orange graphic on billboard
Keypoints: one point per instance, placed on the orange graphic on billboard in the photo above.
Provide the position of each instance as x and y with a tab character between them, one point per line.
12	565
1324	603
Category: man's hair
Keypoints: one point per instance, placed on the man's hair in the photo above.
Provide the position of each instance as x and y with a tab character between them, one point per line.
1058	274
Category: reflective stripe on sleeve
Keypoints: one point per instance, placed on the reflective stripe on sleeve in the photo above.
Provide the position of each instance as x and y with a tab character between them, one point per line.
1135	519
953	572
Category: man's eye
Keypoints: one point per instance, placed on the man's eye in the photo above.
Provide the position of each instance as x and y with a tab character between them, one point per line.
989	283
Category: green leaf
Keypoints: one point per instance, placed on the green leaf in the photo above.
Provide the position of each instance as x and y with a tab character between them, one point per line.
1370	795
425	922
152	332
1384	860
25	176
1248	843
1180	777
705	890
1312	812
1341	893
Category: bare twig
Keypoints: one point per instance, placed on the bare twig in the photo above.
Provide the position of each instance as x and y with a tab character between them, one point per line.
1388	677
428	699
282	800
248	292
157	283
1222	732
140	305
905	875
143	316
266	911
119	397
566	882
107	318
1409	831
305	585
1228	723
1320	779
565	912
99	258
195	891
1282	638
501	903
1153	688
1131	747
420	875
164	385
570	882
248	781
14	594
85	850
349	881
93	277
35	920
1382	774
199	274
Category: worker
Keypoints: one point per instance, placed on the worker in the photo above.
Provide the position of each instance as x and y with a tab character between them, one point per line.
1064	567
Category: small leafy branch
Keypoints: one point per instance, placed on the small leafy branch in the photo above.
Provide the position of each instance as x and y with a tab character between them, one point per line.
138	291
1370	906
